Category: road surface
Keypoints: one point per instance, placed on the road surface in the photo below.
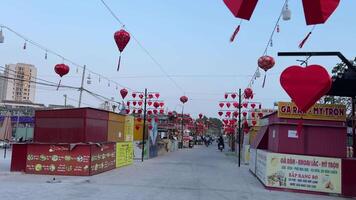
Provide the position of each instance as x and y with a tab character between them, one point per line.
189	174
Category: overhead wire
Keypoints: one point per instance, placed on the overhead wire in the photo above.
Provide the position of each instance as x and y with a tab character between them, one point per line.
142	47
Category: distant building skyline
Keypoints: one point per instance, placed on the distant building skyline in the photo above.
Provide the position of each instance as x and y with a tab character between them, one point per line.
18	85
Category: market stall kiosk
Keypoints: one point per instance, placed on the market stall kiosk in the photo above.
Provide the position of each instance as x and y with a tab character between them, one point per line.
304	152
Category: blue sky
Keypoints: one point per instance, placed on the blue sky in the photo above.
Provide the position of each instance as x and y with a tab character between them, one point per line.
188	38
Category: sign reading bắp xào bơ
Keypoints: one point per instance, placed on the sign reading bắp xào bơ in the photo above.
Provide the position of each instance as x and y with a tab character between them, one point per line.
331	112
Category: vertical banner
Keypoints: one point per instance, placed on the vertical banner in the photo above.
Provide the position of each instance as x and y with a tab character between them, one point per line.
124	154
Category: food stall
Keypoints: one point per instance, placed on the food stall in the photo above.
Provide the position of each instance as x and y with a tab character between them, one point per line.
303	151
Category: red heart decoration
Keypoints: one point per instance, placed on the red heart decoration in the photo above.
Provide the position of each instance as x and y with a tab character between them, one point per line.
241	8
150	127
128	103
221	105
305	85
228	113
233	95
318	11
161	104
235	104
161	112
155	111
157	95
149	119
140	103
139	119
139	111
141	96
134	95
254	122
220	113
226	95
260	115
244	114
149	112
134	103
245	105
149	103
150	96
236	114
137	127
127	111
253	105
228	104
253	114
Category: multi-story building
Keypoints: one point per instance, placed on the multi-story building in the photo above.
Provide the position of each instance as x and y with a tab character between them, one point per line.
18	83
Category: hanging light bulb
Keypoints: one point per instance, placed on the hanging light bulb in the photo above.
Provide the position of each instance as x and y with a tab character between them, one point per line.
1	36
286	13
24	45
46	55
258	73
271	43
88	79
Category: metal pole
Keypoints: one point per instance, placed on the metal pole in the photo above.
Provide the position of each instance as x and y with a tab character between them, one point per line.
239	127
144	126
353	101
182	124
65	100
81	87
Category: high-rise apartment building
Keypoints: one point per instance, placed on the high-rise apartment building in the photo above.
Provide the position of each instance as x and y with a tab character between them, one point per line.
17	84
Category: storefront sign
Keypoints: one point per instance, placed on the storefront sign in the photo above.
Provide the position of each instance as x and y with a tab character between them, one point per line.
319	174
124	153
331	112
261	166
102	158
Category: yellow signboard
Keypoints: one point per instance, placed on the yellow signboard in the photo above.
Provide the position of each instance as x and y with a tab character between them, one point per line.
124	154
310	173
330	112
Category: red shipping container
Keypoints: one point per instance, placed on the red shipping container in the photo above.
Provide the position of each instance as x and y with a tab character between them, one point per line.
71	125
18	158
348	177
317	138
70	159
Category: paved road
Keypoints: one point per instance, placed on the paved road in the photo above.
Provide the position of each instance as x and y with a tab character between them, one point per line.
189	174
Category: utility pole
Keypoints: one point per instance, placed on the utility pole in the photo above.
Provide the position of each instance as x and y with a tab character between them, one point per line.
239	133
81	88
65	100
144	126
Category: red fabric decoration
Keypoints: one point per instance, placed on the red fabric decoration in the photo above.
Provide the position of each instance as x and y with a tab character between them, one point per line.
161	104
221	105
123	93
183	99
233	95
122	38
133	95
248	93
200	116
140	103
244	114
232	38
253	105
301	44
306	85
134	103
61	69
235	104
220	113
228	104
226	95
141	96
241	8
318	11
149	112
128	103
156	104
157	95
149	103
245	105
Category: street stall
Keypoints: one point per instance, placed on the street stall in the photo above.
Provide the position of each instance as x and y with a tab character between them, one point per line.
303	152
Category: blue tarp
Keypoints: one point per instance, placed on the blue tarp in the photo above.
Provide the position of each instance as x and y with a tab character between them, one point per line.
23	119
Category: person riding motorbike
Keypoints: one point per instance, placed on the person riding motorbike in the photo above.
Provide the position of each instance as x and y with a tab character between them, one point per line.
221	144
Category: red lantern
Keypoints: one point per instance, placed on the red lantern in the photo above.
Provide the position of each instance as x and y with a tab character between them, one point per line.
220	113
253	105
236	114
149	103
155	111
200	116
183	99
235	104
149	112
133	95
221	105
140	103
265	63
141	96
260	115
161	104
233	95
61	70
226	95
244	114
248	93
156	104
122	38
150	96
157	95
128	103
123	93
134	103
245	105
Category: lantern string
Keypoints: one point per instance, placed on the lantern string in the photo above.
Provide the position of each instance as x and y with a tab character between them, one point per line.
118	64
143	48
63	58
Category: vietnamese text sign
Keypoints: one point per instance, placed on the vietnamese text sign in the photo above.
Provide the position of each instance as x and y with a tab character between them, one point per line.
317	112
124	153
319	174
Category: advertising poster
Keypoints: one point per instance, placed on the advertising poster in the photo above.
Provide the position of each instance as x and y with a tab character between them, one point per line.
138	150
124	153
58	159
309	173
252	164
317	112
129	128
102	158
152	139
261	166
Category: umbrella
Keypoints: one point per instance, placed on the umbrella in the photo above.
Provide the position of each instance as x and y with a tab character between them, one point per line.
6	131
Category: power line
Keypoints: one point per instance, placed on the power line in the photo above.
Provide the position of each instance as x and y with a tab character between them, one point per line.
143	48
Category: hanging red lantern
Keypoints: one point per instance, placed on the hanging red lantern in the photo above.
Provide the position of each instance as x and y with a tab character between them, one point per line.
140	103
149	103
134	103
155	111
200	116
141	96
253	105
254	122
236	105
157	95
150	96
161	104
245	104
260	115
236	114
127	111
61	70
183	99
248	93
122	38
233	95
228	104
221	105
123	93
253	114
150	127
128	103
149	112
226	95
220	113
133	95
139	111
149	120
265	63
156	104
244	114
